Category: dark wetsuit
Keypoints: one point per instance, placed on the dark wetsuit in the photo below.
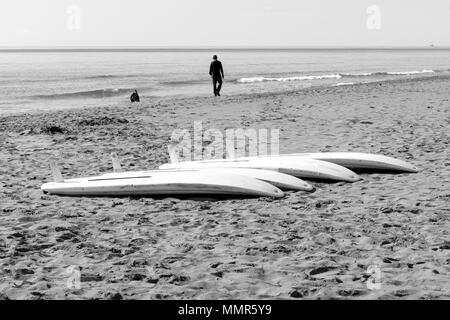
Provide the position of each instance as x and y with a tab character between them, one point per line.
216	72
135	97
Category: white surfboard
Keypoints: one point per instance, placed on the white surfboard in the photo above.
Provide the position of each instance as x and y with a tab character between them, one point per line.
160	183
301	167
356	160
278	179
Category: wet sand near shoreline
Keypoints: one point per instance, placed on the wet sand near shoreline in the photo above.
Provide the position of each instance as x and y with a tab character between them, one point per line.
317	245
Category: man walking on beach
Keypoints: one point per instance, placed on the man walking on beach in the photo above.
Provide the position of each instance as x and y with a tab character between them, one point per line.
216	72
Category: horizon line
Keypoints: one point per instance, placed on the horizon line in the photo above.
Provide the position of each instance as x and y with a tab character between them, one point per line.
206	48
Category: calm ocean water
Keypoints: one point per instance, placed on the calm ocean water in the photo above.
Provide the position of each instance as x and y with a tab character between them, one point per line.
34	81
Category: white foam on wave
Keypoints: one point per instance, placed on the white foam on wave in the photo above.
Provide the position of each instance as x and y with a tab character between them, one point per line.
331	76
286	79
358	74
344	84
410	72
395	73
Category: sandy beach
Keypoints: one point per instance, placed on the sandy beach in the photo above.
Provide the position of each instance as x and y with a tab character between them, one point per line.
317	245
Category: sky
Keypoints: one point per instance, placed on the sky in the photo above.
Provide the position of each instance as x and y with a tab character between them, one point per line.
227	23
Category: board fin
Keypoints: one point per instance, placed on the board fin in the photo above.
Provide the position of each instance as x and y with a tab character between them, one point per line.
116	163
172	153
56	173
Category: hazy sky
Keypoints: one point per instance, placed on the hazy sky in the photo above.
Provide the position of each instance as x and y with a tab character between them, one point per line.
224	23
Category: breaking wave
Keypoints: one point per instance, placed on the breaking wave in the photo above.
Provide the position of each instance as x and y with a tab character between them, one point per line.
387	73
101	93
115	76
410	72
299	78
344	84
333	76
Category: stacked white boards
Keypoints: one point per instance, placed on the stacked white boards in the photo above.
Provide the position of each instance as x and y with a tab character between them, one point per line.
244	177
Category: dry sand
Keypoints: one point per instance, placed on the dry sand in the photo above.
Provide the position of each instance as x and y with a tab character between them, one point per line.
311	246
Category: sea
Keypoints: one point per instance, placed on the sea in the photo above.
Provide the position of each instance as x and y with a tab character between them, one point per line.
36	80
